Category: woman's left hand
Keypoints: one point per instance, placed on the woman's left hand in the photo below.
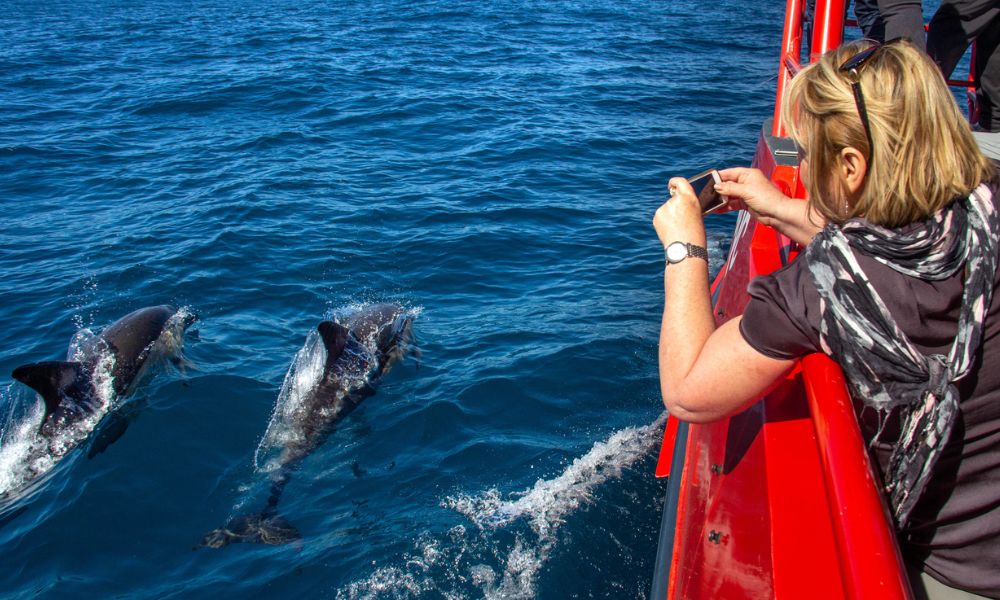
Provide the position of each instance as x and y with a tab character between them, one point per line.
680	218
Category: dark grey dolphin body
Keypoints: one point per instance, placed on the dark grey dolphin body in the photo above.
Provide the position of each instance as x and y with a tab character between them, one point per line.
358	353
71	389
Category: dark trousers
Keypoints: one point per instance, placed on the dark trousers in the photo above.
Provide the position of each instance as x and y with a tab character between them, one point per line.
883	20
954	26
903	18
869	19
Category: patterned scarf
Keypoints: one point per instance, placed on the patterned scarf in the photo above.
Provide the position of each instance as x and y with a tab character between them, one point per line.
882	366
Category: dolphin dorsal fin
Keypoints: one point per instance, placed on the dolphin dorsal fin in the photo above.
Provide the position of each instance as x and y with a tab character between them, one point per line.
334	338
53	381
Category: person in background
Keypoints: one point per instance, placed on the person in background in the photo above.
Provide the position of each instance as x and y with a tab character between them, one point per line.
895	19
869	19
955	25
896	283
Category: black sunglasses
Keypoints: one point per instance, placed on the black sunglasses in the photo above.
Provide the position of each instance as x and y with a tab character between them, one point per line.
852	70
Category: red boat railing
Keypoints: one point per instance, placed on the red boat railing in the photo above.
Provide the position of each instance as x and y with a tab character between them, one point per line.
861	524
791	48
828	32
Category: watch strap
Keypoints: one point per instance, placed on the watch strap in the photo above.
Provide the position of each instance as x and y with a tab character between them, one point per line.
693	251
697	252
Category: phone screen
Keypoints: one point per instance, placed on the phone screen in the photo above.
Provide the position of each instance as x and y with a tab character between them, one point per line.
704	188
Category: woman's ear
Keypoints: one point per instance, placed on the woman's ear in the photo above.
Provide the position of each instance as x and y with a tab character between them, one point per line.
853	169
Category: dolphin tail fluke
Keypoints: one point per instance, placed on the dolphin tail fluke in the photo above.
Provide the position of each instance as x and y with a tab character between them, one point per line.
265	527
256	529
55	381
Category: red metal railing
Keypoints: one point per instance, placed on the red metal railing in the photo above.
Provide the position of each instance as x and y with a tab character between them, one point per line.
828	33
870	560
791	51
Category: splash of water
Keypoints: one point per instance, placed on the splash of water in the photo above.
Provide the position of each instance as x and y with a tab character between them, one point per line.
302	377
547	503
441	566
26	454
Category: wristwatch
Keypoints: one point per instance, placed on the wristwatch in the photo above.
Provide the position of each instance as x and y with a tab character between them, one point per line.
678	251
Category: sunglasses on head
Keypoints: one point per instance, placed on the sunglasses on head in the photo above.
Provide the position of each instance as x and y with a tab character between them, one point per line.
852	71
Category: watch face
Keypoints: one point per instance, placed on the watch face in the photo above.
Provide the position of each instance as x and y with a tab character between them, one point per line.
677	252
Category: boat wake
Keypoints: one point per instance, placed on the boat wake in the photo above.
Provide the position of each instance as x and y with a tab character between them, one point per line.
445	565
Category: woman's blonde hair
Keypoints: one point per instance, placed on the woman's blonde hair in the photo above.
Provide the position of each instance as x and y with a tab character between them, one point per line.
924	156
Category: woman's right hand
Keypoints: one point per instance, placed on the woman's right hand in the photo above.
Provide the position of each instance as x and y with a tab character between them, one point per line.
751	190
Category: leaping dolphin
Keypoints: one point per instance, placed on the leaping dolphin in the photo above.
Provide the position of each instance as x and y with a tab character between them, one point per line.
78	393
357	354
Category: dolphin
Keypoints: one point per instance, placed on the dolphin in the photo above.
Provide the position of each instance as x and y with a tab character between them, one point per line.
77	394
357	354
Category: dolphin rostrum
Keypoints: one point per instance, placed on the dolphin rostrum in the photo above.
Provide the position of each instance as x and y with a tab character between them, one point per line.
322	386
78	393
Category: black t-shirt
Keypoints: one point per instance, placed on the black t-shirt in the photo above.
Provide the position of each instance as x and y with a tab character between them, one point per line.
954	529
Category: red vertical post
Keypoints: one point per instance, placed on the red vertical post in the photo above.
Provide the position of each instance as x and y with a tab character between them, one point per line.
791	44
828	27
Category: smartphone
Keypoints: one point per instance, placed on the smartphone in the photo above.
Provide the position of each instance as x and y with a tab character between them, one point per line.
704	188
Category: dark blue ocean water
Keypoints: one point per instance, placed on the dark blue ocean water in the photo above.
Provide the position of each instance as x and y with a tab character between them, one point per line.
492	165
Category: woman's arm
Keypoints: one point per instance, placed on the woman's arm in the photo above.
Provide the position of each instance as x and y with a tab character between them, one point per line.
705	374
753	191
725	376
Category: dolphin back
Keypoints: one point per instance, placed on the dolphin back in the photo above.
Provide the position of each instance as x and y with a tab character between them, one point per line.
131	338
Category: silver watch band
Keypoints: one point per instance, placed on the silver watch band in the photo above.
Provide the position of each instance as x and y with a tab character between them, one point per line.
676	252
697	251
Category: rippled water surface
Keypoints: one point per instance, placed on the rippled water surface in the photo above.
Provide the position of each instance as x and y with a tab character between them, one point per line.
493	166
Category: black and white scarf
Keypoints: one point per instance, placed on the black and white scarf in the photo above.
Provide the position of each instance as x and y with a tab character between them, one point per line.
881	364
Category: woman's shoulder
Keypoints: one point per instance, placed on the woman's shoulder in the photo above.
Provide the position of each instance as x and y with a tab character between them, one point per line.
791	284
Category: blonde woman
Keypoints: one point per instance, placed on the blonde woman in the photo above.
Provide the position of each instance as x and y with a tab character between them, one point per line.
895	283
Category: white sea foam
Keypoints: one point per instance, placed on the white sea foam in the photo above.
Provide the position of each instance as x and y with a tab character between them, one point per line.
18	441
26	454
445	564
718	249
385	582
549	501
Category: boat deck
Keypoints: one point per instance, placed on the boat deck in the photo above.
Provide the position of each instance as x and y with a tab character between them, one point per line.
989	142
